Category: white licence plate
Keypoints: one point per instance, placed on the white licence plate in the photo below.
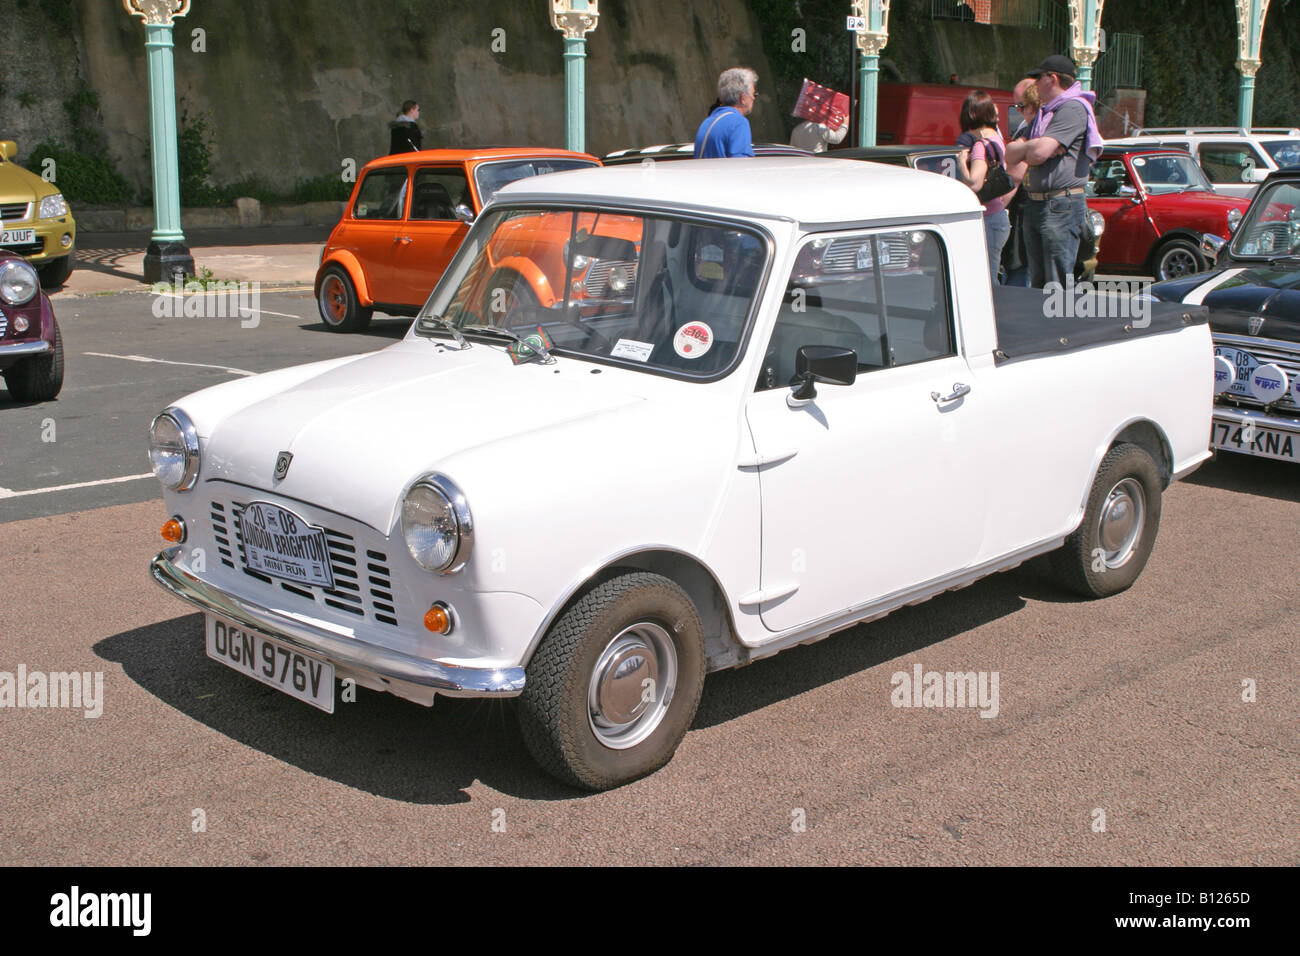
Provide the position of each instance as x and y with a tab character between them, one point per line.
254	655
1265	443
279	543
17	237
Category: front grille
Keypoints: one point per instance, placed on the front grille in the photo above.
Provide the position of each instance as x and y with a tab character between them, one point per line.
842	254
15	211
597	280
1287	359
363	582
4	323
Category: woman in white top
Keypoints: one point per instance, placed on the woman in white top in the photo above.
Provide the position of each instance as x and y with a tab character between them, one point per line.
814	136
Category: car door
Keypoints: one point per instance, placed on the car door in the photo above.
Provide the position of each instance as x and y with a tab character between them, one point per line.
431	233
377	216
1113	192
874	487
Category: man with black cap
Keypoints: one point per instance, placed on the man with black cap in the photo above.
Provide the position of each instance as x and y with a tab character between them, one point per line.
1062	145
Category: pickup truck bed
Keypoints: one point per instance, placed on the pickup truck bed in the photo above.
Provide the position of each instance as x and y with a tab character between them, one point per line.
1024	331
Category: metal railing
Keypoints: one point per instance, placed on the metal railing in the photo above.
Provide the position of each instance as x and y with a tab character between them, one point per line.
1120	65
1050	16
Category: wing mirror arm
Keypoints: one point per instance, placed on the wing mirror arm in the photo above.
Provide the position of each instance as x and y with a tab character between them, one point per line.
827	364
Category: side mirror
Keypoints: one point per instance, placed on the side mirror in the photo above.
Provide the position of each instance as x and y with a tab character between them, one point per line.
464	213
1256	175
1211	246
828	364
9	148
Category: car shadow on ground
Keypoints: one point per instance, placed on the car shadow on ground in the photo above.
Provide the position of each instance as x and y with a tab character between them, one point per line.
1250	475
401	751
381	327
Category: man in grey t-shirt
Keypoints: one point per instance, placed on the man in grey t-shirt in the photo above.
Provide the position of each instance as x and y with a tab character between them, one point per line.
1058	156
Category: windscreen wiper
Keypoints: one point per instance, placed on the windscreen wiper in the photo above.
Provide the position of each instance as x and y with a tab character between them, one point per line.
532	343
438	322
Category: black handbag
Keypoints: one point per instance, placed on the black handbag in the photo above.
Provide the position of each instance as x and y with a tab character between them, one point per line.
996	181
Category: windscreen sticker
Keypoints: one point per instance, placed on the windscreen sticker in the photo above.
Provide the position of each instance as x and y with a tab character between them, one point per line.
1139	162
632	349
526	350
692	340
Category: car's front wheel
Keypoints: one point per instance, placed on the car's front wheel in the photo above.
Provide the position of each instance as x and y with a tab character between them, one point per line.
615	683
340	309
1110	548
56	272
39	378
1178	258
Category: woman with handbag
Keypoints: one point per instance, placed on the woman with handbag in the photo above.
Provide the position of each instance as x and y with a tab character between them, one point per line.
983	169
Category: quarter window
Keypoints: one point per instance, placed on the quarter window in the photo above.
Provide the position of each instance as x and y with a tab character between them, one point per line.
382	194
884	295
1229	162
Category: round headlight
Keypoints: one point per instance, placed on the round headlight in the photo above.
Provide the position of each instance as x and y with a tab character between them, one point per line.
437	525
1097	221
18	282
174	450
1234	217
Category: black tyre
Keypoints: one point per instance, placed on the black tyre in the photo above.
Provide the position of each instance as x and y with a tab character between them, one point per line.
1110	548
336	297
614	685
55	272
1178	258
508	295
39	378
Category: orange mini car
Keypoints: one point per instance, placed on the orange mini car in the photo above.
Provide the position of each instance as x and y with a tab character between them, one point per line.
407	217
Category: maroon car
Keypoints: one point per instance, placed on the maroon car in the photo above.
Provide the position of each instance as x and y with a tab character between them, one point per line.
31	351
1157	204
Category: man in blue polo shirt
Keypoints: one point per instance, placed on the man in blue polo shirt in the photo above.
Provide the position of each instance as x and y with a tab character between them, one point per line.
725	132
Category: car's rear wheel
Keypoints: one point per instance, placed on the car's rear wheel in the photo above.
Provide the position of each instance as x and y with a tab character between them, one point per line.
56	272
615	683
510	296
1178	258
39	378
337	300
1110	548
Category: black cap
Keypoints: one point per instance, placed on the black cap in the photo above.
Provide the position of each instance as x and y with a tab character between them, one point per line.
1056	63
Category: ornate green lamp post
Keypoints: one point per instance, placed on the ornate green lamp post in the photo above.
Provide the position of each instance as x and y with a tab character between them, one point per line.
872	35
1085	21
1250	27
575	19
167	254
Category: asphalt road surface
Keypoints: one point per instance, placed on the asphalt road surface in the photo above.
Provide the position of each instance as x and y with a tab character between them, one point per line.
1121	734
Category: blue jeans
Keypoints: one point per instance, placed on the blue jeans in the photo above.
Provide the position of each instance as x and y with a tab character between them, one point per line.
997	228
1053	229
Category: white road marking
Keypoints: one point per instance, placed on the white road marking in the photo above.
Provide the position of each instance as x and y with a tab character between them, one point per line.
7	493
145	358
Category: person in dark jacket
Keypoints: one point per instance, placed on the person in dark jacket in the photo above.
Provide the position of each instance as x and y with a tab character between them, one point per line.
404	134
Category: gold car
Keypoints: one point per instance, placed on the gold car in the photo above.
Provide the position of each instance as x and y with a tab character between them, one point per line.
35	221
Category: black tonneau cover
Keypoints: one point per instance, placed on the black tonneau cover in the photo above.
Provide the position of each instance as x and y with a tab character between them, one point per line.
1029	321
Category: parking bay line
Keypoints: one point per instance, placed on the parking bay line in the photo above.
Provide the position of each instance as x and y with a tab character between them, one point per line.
8	493
145	358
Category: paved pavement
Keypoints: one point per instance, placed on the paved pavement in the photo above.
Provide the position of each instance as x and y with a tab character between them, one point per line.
283	256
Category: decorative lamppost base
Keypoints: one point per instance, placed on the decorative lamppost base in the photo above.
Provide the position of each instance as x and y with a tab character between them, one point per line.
164	260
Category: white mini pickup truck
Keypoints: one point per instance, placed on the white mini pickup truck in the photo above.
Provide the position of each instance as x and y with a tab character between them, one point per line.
794	404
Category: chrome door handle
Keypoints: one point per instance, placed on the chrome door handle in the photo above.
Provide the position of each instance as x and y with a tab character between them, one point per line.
402	239
958	390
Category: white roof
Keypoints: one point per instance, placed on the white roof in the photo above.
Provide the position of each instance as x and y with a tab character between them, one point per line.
806	190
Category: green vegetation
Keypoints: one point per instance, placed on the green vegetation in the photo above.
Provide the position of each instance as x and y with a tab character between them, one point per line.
84	173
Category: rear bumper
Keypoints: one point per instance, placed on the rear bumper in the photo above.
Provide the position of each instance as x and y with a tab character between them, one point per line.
374	665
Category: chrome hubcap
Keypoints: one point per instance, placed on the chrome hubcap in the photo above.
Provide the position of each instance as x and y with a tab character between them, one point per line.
1119	527
632	685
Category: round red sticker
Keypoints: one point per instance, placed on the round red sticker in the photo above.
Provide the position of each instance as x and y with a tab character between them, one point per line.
692	340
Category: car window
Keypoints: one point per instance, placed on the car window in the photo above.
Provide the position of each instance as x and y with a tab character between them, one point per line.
1285	152
1170	173
1229	162
884	295
382	194
438	191
1109	177
1272	224
492	176
943	165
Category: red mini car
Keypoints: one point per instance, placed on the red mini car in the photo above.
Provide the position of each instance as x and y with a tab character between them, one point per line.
31	351
1157	204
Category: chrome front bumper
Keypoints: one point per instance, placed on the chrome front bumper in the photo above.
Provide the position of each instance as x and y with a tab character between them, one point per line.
1230	414
20	349
346	653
